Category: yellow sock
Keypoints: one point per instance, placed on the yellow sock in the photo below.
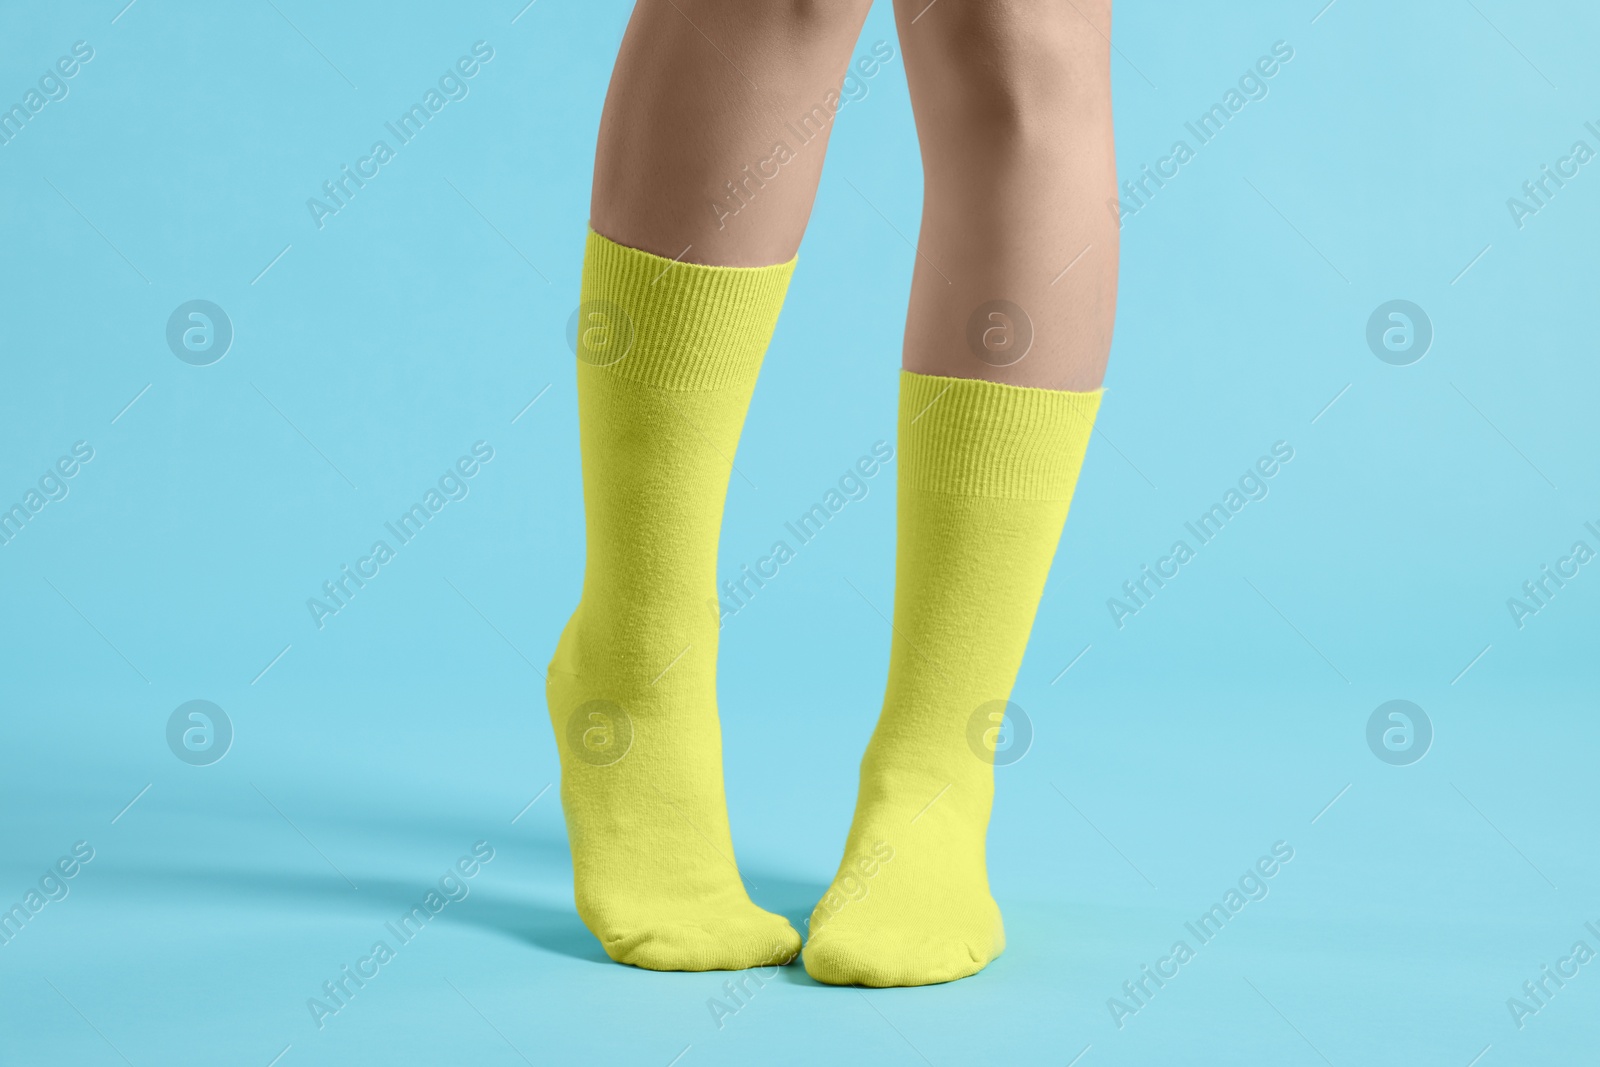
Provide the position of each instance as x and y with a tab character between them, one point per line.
986	472
667	358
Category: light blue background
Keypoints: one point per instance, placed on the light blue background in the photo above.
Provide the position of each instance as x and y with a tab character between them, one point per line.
1222	718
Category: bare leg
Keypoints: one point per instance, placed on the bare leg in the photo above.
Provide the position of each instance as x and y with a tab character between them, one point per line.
1006	341
1013	106
702	93
710	148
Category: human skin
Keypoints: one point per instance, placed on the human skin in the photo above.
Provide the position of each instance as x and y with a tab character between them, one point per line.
702	89
1013	108
1012	100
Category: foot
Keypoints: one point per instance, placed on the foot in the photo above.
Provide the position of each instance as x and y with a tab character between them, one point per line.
641	786
910	904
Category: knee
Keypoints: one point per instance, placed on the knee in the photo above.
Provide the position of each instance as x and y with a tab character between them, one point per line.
800	21
1010	71
820	12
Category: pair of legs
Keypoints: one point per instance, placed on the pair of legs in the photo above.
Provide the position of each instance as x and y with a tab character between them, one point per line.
1013	109
693	237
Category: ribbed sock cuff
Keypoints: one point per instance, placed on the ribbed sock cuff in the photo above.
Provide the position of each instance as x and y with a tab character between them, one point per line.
680	326
969	437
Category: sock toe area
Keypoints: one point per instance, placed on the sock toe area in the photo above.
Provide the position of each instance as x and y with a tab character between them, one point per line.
893	958
706	943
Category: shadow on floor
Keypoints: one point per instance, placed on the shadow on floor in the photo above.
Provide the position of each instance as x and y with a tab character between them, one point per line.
550	926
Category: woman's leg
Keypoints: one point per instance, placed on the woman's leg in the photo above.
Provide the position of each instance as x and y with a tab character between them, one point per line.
1006	341
1013	107
703	95
702	189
